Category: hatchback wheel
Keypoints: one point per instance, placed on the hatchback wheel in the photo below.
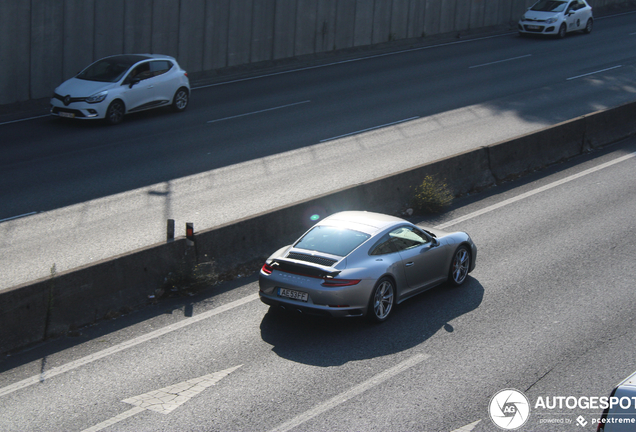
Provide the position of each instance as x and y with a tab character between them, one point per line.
459	266
180	100
562	31
115	112
588	26
382	301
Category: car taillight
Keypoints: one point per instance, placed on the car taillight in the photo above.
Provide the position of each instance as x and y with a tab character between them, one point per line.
267	269
332	283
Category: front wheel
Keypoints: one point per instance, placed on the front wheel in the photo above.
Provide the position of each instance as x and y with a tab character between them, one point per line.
562	31
459	266
181	99
382	300
115	112
588	26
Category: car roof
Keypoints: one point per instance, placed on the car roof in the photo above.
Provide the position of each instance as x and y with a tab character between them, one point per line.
136	58
368	222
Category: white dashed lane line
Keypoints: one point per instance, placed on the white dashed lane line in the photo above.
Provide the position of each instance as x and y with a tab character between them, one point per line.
259	111
351	393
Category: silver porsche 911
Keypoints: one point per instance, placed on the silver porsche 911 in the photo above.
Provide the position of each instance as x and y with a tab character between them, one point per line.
358	263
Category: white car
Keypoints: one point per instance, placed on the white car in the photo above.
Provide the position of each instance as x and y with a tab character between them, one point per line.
117	85
557	17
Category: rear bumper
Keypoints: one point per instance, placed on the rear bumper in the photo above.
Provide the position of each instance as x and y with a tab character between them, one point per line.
310	309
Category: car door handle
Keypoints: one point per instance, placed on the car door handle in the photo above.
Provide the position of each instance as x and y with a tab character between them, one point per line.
409	264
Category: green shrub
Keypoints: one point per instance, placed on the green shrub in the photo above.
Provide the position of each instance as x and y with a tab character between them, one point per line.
432	196
190	276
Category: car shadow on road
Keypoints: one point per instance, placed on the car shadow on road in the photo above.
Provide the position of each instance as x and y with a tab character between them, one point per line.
327	342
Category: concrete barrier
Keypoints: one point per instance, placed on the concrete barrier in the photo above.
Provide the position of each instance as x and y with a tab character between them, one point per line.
529	152
52	306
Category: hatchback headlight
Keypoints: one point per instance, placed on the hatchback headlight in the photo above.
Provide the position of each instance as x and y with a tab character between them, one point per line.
97	97
551	20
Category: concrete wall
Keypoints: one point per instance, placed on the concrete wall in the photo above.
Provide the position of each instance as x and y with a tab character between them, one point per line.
52	306
43	42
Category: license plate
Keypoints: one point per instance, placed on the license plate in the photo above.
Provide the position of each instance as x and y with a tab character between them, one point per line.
530	27
67	114
295	295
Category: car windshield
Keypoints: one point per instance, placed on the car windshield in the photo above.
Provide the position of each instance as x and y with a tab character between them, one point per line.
549	6
332	240
105	70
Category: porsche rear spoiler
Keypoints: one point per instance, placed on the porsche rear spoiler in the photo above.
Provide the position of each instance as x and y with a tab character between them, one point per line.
311	270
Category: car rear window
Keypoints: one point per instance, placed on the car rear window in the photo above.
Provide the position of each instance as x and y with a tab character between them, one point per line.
332	240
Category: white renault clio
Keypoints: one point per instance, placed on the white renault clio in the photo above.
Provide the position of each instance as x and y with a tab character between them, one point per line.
121	84
557	17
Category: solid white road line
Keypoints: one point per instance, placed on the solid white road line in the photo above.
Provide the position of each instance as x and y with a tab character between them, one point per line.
535	191
351	393
122	346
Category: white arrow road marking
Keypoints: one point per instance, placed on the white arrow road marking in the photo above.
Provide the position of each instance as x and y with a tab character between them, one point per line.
468	427
167	399
355	391
46	375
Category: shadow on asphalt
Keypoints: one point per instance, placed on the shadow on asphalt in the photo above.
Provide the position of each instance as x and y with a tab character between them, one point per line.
324	342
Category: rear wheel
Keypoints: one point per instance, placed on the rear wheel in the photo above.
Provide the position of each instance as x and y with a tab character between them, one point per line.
181	99
382	300
459	266
588	26
115	112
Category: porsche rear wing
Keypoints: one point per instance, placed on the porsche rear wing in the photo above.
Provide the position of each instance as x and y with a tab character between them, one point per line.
304	269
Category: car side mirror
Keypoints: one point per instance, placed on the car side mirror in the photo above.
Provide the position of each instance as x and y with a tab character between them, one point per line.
434	242
134	81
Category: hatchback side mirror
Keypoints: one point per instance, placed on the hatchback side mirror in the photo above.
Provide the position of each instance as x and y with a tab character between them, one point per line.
134	81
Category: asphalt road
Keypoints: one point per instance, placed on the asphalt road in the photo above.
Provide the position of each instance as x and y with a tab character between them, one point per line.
548	311
74	193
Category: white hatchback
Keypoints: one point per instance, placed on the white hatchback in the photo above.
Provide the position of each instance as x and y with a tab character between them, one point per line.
121	84
557	17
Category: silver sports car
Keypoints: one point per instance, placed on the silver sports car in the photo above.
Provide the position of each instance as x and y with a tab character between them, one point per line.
358	263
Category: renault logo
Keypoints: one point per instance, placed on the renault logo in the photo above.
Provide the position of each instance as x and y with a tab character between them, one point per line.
67	100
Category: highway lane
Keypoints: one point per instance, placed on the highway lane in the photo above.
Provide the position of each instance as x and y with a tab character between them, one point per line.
548	311
100	191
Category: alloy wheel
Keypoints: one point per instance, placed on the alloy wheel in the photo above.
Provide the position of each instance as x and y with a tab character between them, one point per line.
460	266
383	300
